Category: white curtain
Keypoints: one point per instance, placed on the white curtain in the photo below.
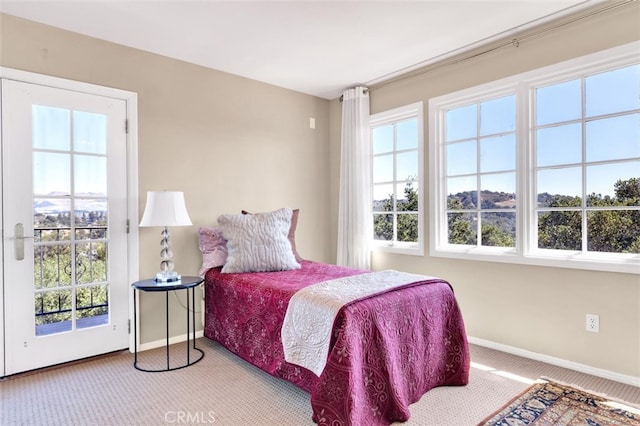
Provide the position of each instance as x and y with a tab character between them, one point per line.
354	212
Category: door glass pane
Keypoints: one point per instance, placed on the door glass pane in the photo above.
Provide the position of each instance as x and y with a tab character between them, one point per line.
90	216
52	219
90	175
52	266
53	312
50	128
91	265
89	132
92	305
51	173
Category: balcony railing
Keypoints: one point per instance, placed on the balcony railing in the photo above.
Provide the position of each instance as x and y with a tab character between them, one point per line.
54	315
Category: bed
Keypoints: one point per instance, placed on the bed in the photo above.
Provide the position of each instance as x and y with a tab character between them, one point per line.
380	351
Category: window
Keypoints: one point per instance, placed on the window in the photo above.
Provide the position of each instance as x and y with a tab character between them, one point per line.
588	189
542	168
397	138
480	173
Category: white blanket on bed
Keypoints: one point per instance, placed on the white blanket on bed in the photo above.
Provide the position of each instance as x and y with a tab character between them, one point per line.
308	323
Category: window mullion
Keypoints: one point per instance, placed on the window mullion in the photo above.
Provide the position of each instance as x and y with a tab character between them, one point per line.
525	166
583	110
549	116
395	183
478	178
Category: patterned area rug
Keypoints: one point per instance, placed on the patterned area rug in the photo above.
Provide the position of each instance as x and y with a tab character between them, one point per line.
550	403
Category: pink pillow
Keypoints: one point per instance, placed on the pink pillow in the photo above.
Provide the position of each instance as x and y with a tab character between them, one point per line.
213	247
292	232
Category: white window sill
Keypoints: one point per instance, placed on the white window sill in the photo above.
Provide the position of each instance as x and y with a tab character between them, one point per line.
629	264
410	249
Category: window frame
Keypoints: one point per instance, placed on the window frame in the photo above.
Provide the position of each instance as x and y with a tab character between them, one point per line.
406	112
523	85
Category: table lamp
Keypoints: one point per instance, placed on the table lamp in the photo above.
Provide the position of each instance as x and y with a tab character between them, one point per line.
165	208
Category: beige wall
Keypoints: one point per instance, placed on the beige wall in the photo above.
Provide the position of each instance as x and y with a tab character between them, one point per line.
537	309
233	143
228	142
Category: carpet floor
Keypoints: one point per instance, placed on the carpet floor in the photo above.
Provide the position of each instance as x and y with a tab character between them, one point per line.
224	390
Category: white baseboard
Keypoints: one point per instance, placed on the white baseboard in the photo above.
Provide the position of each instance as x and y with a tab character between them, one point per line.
598	372
163	342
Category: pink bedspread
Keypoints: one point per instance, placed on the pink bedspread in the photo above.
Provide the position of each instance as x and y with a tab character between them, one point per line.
387	350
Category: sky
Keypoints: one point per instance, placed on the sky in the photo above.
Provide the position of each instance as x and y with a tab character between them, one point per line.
61	138
609	130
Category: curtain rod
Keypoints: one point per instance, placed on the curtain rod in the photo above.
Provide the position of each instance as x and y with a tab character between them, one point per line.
364	92
513	42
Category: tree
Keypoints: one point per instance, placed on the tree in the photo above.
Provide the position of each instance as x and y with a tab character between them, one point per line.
608	230
459	224
560	230
628	191
407	224
383	223
53	268
496	229
495	237
616	231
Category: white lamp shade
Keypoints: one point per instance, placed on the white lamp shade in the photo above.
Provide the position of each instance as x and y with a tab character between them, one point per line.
165	208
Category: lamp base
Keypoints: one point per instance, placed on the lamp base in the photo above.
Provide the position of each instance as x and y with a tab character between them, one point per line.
167	276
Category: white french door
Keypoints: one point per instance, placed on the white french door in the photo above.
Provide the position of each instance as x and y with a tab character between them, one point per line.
64	199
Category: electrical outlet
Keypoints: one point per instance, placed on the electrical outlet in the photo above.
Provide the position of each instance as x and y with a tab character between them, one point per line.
593	323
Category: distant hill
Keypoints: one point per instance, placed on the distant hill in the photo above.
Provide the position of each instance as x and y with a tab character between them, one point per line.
505	220
498	200
490	199
57	203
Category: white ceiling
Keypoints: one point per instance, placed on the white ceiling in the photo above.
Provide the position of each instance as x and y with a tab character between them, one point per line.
315	47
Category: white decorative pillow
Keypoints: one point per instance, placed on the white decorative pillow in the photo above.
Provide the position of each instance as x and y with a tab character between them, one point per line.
258	242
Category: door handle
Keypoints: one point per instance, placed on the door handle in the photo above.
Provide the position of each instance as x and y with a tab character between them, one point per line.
20	237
